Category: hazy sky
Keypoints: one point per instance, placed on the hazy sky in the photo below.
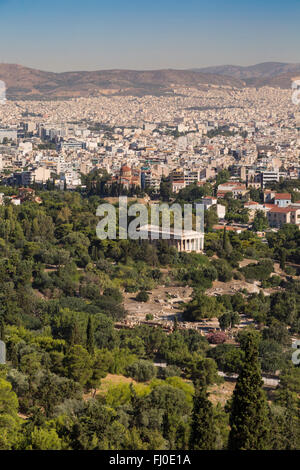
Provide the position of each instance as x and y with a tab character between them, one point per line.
137	34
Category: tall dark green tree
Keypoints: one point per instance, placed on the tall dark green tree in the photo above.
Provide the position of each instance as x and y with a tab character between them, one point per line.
248	420
226	242
165	189
260	222
90	340
282	258
203	429
210	218
2	329
74	333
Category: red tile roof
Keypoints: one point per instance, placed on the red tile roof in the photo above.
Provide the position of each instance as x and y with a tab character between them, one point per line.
228	227
283	196
283	210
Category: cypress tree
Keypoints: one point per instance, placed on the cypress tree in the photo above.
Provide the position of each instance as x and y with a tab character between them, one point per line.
226	242
74	333
2	329
224	237
248	420
203	430
181	437
13	356
282	259
90	343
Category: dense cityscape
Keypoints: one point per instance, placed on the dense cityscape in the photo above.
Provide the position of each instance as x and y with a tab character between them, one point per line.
188	137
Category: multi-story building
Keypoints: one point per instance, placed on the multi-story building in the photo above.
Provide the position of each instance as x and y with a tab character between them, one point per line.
191	176
212	201
278	216
279	199
237	189
269	177
9	134
282	199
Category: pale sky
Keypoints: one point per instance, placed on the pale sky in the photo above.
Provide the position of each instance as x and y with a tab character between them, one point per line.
91	35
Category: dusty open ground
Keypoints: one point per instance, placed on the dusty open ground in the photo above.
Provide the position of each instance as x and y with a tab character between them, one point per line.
109	381
221	393
166	302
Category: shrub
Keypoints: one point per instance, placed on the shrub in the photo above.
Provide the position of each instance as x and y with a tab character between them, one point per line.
169	371
237	276
142	296
142	371
260	271
224	270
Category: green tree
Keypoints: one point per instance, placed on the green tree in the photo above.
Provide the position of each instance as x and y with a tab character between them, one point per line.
53	390
75	337
9	420
210	218
90	340
224	321
142	371
249	412
44	439
202	306
260	222
229	320
99	371
282	258
2	330
142	296
78	364
203	429
222	177
165	189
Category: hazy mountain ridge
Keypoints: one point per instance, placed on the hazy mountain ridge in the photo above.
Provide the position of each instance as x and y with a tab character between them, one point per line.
263	70
28	83
274	74
24	82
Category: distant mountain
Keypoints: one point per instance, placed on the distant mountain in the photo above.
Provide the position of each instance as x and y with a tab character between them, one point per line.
263	70
279	81
275	74
27	83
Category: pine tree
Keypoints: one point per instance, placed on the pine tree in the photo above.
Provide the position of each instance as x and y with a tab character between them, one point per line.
13	356
224	237
181	437
203	430
248	420
282	259
136	407
90	342
74	334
